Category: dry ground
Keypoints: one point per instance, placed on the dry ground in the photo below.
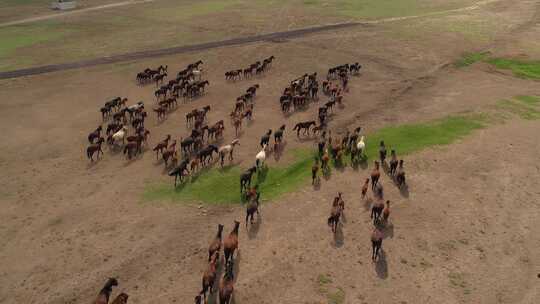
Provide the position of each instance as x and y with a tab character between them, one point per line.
465	233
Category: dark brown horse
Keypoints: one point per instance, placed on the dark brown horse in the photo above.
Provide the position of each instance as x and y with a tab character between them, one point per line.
105	293
93	148
375	175
121	299
376	243
226	285
95	134
303	126
335	214
215	245
231	243
209	276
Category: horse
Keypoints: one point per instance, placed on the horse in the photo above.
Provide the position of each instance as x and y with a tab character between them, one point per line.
335	213
105	293
120	135
360	147
365	188
178	172
376	211
121	299
278	135
245	178
95	134
231	243
93	148
209	276
261	156
162	146
314	171
386	212
266	138
251	209
375	175
393	163
382	152
303	126
226	285
169	154
207	152
132	148
400	174
215	245
376	243
227	149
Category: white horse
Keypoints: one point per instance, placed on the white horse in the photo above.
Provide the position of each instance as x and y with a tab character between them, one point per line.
120	135
361	146
261	157
227	149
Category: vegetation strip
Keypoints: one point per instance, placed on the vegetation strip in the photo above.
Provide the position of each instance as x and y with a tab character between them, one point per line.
222	186
529	69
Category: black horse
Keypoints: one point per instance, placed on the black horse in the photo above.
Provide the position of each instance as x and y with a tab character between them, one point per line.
180	171
245	178
278	135
207	153
266	138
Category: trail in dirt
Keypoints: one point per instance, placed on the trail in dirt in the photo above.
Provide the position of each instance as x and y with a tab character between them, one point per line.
291	34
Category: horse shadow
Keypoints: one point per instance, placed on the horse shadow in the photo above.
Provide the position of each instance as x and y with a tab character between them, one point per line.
339	239
317	184
228	167
236	266
261	174
381	265
387	230
404	191
253	230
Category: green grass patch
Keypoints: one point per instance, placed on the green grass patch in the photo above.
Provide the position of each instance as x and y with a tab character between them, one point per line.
337	297
520	109
222	186
471	58
324	279
529	100
523	69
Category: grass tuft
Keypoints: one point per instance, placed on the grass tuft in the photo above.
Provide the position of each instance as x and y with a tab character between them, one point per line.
522	69
471	58
222	186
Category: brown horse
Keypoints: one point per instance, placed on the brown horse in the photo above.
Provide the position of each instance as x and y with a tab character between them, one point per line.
393	163
231	243
303	126
215	245
162	146
226	285
132	148
93	148
376	243
314	171
168	154
376	211
335	214
400	174
365	188
252	208
209	276
386	212
105	293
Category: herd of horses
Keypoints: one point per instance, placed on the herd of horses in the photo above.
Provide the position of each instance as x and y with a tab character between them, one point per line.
256	68
200	146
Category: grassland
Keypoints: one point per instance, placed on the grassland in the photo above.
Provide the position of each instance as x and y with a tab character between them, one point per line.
277	181
167	23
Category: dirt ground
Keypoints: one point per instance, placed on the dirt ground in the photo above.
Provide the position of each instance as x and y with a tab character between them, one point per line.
464	233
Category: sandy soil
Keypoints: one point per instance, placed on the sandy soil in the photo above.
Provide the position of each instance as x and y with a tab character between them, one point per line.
464	233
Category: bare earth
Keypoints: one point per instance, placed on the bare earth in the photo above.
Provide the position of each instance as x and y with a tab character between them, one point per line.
466	232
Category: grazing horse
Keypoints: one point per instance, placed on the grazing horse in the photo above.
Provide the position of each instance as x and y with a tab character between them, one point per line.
376	211
375	175
266	138
179	171
227	149
337	210
400	174
93	148
121	299
278	135
105	293
226	285
215	245
260	157
376	243
231	243
393	162
303	126
95	134
245	178
209	276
